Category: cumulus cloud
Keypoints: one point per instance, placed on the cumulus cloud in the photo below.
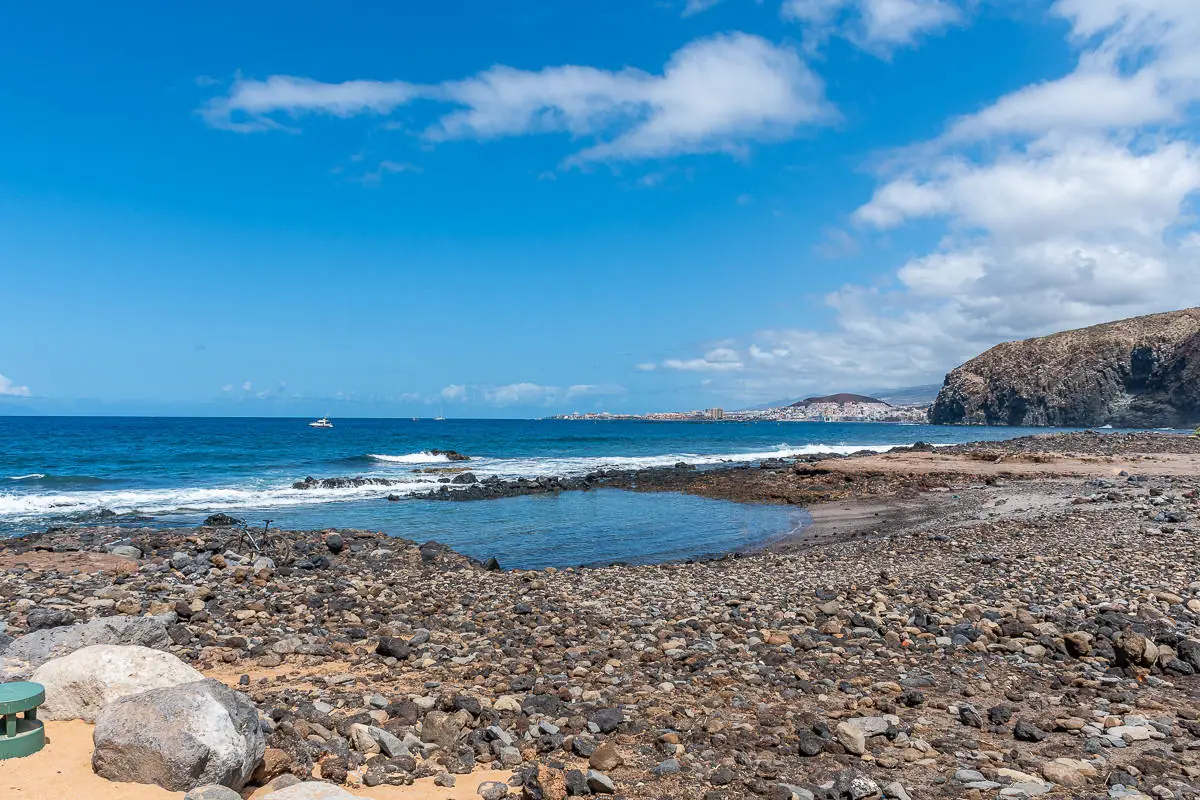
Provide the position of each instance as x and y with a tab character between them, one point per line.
718	94
454	392
1064	204
10	389
875	25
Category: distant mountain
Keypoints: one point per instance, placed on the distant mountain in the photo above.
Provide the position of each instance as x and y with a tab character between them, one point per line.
1140	372
840	398
911	395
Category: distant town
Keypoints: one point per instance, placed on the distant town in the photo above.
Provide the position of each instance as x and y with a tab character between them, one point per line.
830	408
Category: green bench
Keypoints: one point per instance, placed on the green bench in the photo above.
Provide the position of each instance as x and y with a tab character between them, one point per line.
21	737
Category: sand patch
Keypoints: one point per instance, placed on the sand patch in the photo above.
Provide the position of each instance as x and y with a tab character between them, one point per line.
63	769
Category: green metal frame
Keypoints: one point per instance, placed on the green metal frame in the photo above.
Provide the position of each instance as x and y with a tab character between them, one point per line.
21	737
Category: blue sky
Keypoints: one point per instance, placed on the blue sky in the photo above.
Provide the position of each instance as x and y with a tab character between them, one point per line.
518	208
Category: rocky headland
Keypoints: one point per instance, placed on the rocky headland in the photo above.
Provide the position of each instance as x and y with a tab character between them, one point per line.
1140	372
1028	627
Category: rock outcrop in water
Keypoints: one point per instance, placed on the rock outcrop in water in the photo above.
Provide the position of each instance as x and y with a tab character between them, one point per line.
1140	372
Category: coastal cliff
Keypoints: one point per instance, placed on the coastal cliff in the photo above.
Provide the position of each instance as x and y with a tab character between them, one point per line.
1140	372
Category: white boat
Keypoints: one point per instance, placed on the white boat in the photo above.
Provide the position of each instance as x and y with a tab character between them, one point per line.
323	422
1106	427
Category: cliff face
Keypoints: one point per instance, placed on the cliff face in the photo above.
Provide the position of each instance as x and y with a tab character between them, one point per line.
1140	372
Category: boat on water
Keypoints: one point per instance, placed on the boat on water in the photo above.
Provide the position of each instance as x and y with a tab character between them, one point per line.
1105	427
323	422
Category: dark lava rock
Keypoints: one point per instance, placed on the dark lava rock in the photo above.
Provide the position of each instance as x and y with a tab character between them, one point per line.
39	618
607	719
1025	731
223	521
393	646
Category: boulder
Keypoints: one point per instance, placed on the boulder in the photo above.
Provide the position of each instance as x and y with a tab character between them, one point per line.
29	652
179	737
79	685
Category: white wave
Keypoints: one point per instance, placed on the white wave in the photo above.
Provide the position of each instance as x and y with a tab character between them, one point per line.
33	476
541	467
208	499
410	458
161	501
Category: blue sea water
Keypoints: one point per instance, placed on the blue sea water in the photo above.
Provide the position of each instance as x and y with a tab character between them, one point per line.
57	470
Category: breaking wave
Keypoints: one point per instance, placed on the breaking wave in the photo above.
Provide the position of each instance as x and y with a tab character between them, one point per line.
65	499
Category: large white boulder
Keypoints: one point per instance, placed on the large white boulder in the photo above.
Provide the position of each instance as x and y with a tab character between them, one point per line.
179	737
80	684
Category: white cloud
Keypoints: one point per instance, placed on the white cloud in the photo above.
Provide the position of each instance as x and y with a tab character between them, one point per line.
247	386
518	393
454	392
718	94
693	7
10	389
719	359
253	105
1066	203
1076	185
875	25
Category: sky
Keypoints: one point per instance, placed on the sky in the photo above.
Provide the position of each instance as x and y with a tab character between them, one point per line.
518	208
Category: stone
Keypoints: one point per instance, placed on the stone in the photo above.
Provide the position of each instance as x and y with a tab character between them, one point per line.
1025	731
1078	643
600	783
39	618
1069	772
852	738
605	757
125	551
179	737
492	790
607	719
79	685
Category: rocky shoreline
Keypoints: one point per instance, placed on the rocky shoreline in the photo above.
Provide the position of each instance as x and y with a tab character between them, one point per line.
972	634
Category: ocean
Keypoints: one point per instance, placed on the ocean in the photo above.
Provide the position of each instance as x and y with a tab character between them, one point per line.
176	471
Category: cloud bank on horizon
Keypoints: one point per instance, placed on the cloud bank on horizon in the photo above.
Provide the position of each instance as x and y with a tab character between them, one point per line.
1063	202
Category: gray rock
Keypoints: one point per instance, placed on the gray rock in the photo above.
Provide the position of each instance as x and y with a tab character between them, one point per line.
125	551
40	618
29	652
389	744
492	790
179	737
600	783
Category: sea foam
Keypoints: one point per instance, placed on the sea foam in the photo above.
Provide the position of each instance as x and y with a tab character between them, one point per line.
410	458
